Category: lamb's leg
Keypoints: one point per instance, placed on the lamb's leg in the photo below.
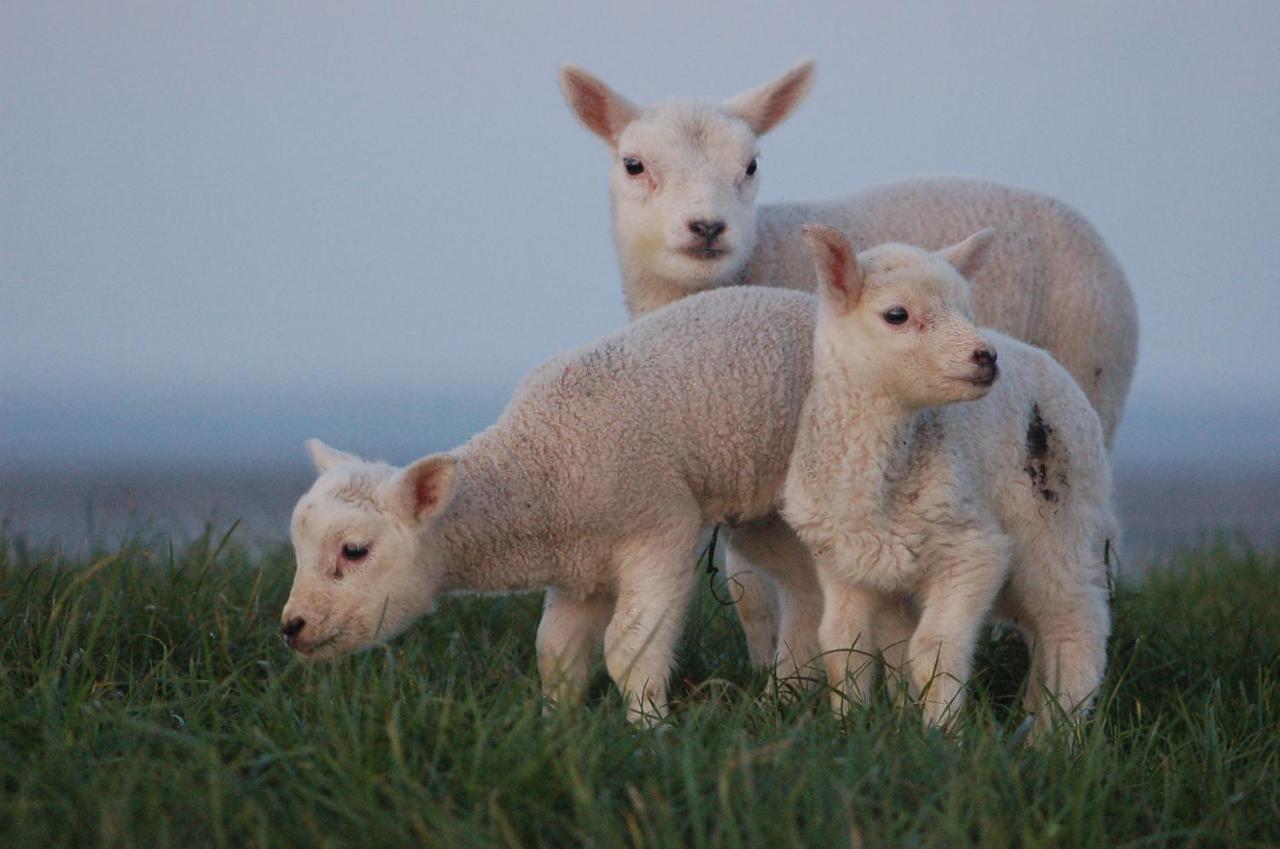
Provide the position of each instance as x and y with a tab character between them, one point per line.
894	627
753	592
1069	622
959	587
847	637
654	585
569	636
783	633
798	660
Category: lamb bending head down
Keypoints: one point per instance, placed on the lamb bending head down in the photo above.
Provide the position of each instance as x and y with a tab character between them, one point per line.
685	175
364	549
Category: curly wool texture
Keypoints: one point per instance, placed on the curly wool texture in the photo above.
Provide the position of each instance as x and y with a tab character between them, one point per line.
1051	281
689	412
915	487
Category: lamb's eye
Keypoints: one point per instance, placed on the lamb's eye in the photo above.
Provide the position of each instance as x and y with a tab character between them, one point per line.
751	168
353	553
897	315
634	166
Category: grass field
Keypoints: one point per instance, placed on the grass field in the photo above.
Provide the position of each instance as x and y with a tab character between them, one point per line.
146	700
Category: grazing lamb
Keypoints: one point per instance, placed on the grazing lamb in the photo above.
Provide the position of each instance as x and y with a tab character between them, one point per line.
594	484
683	188
912	500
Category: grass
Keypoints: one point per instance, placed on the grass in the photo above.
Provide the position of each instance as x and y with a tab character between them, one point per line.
145	700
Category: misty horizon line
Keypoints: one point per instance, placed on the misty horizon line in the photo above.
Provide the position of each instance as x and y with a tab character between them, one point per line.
267	425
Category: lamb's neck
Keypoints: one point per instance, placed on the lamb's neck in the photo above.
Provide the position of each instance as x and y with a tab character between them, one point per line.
490	539
878	433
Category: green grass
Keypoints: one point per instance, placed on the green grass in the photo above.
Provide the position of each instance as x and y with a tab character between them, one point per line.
145	700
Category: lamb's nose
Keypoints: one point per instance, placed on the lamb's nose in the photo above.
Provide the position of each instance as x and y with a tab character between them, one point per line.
292	627
984	357
707	229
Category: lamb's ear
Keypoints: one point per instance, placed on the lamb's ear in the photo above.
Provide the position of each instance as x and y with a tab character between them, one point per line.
325	458
969	256
600	109
422	489
840	277
764	108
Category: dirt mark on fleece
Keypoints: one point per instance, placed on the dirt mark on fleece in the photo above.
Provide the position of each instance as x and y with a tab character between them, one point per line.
1039	456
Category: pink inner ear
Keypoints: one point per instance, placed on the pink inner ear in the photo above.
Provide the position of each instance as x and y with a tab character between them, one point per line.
596	105
839	268
426	496
593	106
779	102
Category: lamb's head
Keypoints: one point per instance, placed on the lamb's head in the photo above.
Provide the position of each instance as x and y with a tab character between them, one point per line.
902	317
685	175
366	559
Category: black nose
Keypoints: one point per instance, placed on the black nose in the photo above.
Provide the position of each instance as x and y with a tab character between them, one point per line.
293	626
984	357
707	229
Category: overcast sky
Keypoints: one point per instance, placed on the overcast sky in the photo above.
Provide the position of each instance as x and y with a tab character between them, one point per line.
238	209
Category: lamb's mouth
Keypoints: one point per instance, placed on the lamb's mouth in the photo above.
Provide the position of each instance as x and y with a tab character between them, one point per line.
705	253
985	379
310	648
982	379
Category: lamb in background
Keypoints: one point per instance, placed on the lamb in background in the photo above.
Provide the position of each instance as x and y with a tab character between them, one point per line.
594	484
912	501
683	187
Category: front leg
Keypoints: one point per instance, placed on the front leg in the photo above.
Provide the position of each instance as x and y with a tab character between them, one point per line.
569	637
895	624
963	572
847	637
654	585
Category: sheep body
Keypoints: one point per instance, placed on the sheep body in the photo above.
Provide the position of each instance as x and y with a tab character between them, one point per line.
595	484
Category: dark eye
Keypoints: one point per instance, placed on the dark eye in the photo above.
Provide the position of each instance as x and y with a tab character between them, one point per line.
634	166
897	315
751	168
354	553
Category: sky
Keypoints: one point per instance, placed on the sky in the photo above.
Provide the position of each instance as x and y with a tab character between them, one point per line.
228	227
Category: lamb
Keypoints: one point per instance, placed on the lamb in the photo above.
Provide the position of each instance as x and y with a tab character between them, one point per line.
595	484
922	484
683	187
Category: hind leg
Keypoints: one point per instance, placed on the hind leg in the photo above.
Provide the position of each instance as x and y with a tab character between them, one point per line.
654	586
800	605
1068	623
794	603
752	589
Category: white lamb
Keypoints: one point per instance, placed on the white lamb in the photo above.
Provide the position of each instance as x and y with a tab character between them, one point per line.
594	485
683	189
911	501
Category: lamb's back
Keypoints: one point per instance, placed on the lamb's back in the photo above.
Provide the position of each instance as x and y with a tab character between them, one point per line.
698	399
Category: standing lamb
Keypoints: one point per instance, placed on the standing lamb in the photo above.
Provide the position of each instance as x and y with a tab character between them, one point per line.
909	498
683	188
594	484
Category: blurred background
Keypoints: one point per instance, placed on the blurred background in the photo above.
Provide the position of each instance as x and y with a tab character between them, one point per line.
225	228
